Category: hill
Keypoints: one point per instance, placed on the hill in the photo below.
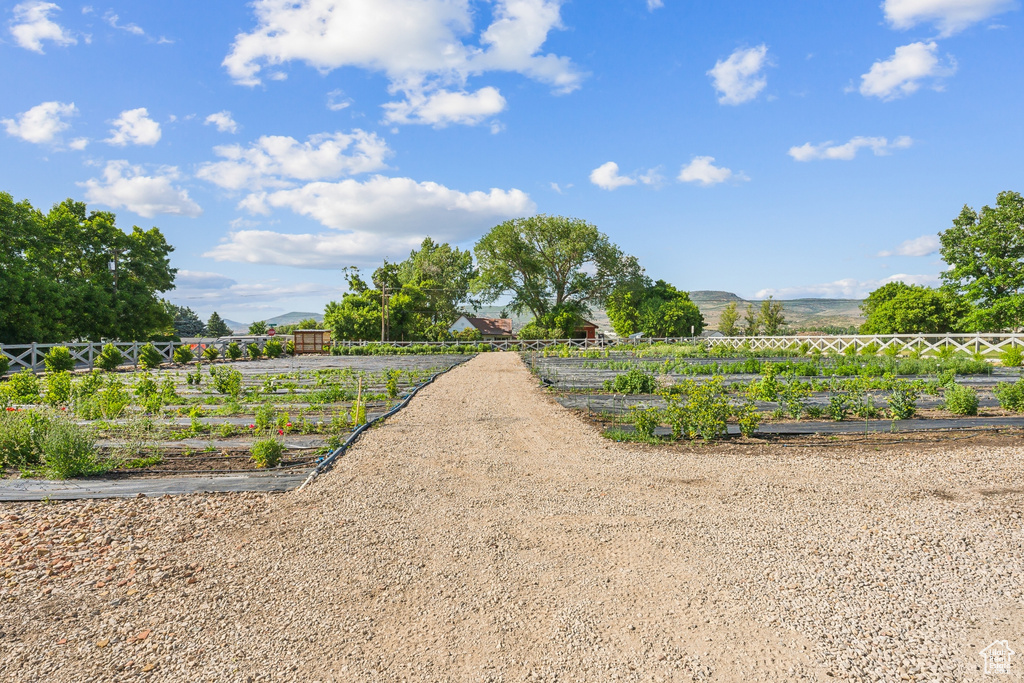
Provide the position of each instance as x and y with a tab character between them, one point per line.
800	313
283	319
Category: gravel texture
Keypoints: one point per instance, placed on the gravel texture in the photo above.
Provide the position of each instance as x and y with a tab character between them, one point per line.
487	534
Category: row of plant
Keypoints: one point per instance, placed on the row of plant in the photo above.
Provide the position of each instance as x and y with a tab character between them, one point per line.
383	349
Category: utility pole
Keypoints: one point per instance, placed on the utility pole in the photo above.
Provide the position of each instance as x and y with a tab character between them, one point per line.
385	322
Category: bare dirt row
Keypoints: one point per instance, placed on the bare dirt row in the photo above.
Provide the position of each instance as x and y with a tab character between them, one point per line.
486	533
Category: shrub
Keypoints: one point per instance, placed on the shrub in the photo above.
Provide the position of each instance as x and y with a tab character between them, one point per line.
112	399
791	398
69	450
58	387
391	383
146	387
267	452
870	349
149	357
226	380
767	388
961	400
227	430
749	419
17	442
183	354
708	410
902	400
838	406
24	387
272	348
645	420
59	359
234	352
1011	395
289	348
264	416
636	381
1013	357
253	350
110	358
211	353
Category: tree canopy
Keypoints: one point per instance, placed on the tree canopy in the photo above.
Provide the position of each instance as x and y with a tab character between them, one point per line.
985	253
899	308
727	320
216	327
657	309
185	321
57	283
551	266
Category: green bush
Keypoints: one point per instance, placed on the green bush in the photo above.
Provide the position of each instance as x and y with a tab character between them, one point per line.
59	359
273	349
110	358
267	452
902	400
1011	395
749	419
58	387
253	350
838	406
211	353
289	348
645	420
18	437
708	410
961	400
1013	357
226	380
635	381
183	354
791	398
264	416
149	357
69	450
234	352
24	387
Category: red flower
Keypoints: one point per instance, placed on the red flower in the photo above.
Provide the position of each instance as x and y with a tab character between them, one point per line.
288	425
280	431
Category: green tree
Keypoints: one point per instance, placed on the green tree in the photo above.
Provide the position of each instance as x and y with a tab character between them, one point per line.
185	321
258	328
727	320
771	317
656	309
216	327
899	308
550	265
985	253
444	276
751	322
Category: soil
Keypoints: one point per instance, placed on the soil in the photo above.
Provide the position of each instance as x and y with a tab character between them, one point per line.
487	534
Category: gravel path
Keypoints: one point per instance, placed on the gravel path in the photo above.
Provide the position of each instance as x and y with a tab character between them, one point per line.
486	534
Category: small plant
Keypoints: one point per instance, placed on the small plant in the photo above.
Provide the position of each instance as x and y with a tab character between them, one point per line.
636	381
838	406
645	420
211	353
110	358
1012	357
183	355
1011	395
791	398
58	387
168	391
227	430
391	383
749	419
226	380
961	400
815	412
234	352
264	416
195	416
767	388
946	353
24	387
69	450
902	400
253	350
273	349
149	357
19	434
708	410
59	359
146	387
358	416
870	349
267	452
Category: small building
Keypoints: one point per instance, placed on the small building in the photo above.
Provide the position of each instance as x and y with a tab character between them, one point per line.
491	329
586	330
311	341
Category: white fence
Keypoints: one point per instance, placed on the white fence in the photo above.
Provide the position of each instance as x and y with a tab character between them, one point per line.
30	356
989	344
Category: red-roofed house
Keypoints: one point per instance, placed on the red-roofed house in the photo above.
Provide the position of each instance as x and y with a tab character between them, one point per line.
490	328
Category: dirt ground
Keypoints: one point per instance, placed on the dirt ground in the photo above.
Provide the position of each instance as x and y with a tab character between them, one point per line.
487	534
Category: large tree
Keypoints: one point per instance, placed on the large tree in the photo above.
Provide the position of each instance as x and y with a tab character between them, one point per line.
444	276
772	317
216	327
73	274
899	308
358	315
185	321
550	266
985	253
657	309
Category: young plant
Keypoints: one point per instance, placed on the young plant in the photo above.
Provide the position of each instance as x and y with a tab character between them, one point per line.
149	357
749	419
636	381
266	452
1013	357
253	350
645	420
58	388
110	358
24	387
961	400
1011	395
838	406
273	349
234	352
264	416
226	380
59	359
69	450
211	353
183	355
902	400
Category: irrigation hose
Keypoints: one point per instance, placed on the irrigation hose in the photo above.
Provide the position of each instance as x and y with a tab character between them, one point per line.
328	461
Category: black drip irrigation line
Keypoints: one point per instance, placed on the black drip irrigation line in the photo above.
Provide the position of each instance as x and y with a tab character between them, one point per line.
328	461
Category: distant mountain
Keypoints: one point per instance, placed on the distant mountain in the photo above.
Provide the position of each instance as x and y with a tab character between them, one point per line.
236	326
799	312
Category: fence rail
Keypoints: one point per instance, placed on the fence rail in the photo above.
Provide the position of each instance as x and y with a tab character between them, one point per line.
30	356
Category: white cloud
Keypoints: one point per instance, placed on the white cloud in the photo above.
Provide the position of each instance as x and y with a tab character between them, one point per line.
925	245
444	106
418	44
32	25
848	150
43	123
336	100
902	74
849	288
134	127
949	16
606	176
223	121
127	186
79	144
213	290
278	161
395	206
739	79
134	29
703	170
322	250
654	4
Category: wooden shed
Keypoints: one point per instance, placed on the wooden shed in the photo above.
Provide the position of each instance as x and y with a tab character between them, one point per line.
311	341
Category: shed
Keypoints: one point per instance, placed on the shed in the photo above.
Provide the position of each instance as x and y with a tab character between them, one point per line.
490	328
311	341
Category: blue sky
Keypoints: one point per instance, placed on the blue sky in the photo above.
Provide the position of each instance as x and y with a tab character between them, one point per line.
798	149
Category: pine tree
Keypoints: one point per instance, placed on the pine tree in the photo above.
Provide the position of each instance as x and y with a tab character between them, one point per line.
216	327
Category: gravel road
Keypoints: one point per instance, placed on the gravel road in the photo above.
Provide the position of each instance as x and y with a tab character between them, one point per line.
487	534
